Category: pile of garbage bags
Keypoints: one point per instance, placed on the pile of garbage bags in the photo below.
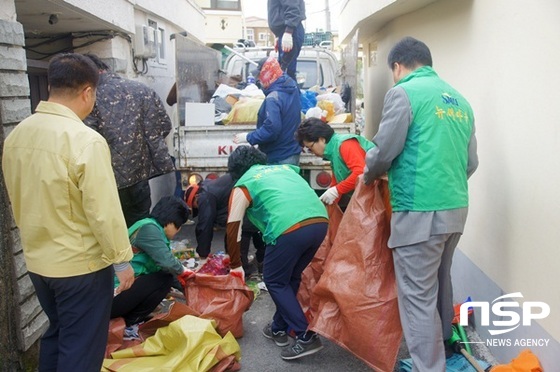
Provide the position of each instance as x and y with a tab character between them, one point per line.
241	106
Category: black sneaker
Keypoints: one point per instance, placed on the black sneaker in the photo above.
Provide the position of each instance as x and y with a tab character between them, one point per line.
280	337
302	348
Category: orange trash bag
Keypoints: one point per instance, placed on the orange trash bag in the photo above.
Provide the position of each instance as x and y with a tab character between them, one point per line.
357	292
314	270
174	311
526	361
223	298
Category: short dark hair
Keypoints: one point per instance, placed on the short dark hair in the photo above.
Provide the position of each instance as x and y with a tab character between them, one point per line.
243	158
410	53
70	72
312	129
170	209
101	66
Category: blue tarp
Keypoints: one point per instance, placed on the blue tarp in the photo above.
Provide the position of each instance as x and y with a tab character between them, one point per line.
456	363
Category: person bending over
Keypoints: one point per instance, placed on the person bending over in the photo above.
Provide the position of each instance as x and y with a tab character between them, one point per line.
294	223
153	263
346	152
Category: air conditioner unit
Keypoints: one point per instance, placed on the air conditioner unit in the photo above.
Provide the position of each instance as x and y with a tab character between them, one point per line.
145	42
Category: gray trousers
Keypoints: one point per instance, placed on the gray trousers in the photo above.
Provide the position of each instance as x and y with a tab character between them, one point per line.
426	298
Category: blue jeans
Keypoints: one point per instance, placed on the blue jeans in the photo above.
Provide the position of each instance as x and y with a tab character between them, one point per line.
78	309
293	159
288	61
283	264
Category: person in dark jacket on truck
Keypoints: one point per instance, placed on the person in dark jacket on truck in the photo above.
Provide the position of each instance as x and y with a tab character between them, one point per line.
285	19
278	117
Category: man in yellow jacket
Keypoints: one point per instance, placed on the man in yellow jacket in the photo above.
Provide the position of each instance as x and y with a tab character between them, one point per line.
65	202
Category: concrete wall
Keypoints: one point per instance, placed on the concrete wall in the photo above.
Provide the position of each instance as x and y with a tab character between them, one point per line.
14	107
502	56
122	15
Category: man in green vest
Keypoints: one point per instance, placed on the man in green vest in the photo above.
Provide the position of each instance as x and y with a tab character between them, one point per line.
346	152
280	203
426	143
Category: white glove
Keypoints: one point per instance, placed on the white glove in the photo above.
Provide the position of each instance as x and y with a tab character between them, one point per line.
287	42
201	263
240	138
329	196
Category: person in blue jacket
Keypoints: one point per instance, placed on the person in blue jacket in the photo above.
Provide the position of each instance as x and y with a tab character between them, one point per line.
278	117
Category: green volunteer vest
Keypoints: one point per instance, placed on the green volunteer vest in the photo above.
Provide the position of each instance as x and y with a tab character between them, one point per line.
332	153
431	172
141	262
281	199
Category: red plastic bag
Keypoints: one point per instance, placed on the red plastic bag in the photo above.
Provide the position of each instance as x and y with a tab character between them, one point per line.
357	293
223	298
216	264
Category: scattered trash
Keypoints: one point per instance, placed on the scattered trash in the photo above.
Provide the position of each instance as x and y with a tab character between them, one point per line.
191	263
525	361
216	264
458	341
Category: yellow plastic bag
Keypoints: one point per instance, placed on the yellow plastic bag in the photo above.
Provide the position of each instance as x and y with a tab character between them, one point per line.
187	344
244	111
328	106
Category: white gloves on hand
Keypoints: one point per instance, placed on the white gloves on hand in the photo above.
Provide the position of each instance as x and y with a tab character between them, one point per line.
329	196
287	42
240	138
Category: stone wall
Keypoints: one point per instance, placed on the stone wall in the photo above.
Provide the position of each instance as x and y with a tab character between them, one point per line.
14	107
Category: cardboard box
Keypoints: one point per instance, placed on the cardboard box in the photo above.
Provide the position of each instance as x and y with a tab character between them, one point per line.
231	99
199	114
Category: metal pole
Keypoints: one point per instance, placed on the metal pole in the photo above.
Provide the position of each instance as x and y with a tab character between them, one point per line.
241	56
327	16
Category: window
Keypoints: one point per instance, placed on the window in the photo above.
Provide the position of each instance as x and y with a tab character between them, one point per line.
226	4
307	73
159	38
161	44
263	36
250	34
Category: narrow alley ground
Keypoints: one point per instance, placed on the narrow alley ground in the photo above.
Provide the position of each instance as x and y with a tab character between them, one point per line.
261	355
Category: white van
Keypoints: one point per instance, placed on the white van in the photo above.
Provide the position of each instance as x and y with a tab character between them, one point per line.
315	65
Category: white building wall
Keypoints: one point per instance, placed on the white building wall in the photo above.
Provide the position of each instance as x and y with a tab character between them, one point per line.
116	12
223	27
502	55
